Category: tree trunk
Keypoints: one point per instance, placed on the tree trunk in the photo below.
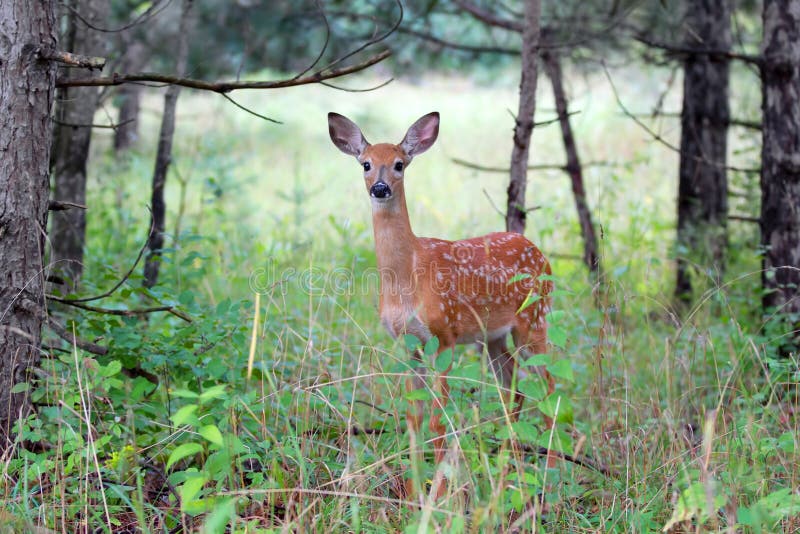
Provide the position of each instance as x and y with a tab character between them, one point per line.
26	97
155	240
516	212
130	96
74	113
780	163
703	184
552	67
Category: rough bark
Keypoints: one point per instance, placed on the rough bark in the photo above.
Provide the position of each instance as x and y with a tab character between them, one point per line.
780	161
515	212
703	183
75	107
158	206
26	97
130	96
552	68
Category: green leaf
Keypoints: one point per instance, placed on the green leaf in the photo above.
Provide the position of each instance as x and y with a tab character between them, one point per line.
444	360
212	434
19	387
419	394
693	504
534	387
214	392
562	369
517	277
786	442
182	451
113	367
537	360
529	300
217	520
526	431
558	336
561	441
189	491
185	415
557	407
184	394
470	371
412	342
431	346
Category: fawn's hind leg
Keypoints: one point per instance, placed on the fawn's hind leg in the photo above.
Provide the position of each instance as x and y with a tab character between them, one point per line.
531	340
504	365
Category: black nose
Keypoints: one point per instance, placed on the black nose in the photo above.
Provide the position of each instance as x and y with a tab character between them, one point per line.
380	190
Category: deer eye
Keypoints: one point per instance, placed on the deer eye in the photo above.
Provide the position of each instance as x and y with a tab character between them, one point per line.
366	165
398	166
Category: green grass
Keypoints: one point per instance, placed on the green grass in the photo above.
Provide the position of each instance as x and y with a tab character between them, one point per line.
696	418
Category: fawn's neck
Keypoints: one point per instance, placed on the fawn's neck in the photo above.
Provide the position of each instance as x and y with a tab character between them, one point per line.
395	244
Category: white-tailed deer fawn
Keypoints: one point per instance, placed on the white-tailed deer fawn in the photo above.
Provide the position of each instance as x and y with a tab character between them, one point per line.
458	291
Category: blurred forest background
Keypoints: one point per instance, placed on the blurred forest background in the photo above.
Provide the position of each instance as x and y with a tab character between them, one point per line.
189	330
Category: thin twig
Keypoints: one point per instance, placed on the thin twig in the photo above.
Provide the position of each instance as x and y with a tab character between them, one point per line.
118	284
348	90
370	42
324	45
489	198
248	110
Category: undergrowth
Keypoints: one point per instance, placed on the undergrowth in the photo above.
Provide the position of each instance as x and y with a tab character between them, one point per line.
218	422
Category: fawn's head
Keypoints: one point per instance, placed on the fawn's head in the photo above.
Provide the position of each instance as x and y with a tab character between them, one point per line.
383	163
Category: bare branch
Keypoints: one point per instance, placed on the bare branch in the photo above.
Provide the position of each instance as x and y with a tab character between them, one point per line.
476	49
657	137
72	60
539	167
102	126
118	284
458	46
123	313
489	18
60	205
680	51
222	87
750	125
88	346
148	13
744	218
370	42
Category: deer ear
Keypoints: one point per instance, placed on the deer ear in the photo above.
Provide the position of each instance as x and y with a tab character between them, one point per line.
346	135
421	135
